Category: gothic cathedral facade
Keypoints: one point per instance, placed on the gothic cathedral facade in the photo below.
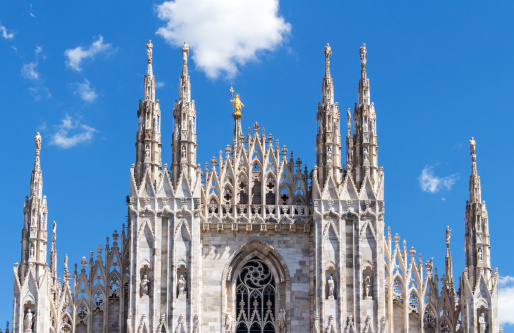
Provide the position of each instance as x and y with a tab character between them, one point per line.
254	242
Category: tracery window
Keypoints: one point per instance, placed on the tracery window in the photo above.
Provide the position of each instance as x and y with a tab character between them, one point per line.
255	301
429	317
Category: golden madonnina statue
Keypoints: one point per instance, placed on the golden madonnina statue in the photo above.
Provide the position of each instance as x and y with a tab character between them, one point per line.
236	102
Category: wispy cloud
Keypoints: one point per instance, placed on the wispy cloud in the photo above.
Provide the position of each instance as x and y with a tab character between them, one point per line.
223	34
29	71
506	299
74	57
431	183
71	133
159	84
5	33
85	91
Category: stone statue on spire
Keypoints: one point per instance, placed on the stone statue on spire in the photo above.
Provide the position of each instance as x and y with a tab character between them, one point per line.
37	141
149	46
448	236
362	52
328	53
472	145
185	53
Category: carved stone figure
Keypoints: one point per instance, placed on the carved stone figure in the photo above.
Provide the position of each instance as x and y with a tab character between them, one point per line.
368	285
480	254
149	46
144	286
316	325
481	323
448	235
282	321
32	250
228	322
196	324
27	321
181	285
37	141
366	154
331	287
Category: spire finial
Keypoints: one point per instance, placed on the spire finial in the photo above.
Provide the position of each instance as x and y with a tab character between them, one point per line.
238	105
37	141
363	52
448	236
185	53
472	149
149	47
328	53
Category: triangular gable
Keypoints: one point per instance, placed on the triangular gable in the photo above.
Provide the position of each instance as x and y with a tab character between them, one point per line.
367	192
348	191
330	189
183	190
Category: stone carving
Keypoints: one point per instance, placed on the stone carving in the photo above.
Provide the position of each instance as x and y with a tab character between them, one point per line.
480	255
367	325
27	321
37	141
32	250
368	285
448	236
149	46
180	325
316	325
282	321
330	326
144	288
196	324
181	285
349	325
227	325
366	154
481	323
331	287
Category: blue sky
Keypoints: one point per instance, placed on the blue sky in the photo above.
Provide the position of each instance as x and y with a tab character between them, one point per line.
440	73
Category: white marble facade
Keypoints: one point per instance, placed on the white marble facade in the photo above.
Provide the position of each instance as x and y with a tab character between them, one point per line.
255	241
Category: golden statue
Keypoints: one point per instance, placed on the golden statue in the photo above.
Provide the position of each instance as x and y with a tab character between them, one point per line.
236	102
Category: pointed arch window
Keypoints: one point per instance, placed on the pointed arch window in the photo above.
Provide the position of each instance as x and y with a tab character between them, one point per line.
256	298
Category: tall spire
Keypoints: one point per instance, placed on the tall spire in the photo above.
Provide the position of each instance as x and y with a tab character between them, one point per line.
34	234
477	241
364	158
448	261
328	139
184	129
148	141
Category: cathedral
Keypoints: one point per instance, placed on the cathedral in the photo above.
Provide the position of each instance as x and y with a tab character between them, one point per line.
254	241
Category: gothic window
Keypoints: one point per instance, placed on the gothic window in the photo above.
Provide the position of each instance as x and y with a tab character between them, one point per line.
429	320
66	325
398	290
255	302
445	328
413	302
82	313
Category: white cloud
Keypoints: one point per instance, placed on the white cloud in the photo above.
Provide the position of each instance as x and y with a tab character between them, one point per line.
29	71
431	183
71	133
39	92
5	34
223	34
85	91
77	55
159	84
506	300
